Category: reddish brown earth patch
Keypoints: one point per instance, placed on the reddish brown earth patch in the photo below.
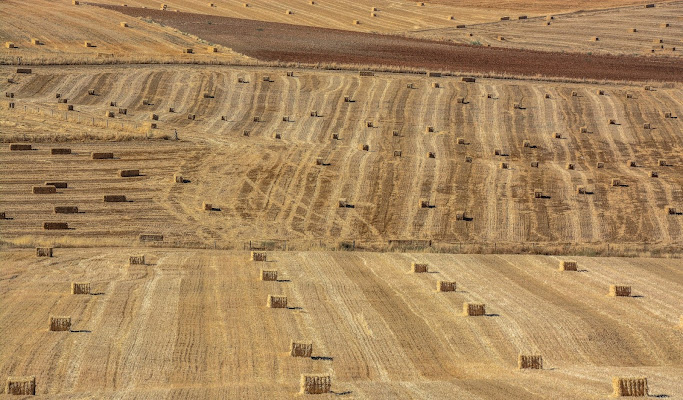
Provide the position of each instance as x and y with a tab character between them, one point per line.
270	41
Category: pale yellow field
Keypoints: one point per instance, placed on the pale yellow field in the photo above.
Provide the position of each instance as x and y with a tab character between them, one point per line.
391	16
269	188
575	32
193	324
63	29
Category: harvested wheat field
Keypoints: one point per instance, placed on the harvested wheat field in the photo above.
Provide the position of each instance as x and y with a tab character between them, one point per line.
264	188
371	199
61	31
194	324
632	30
383	16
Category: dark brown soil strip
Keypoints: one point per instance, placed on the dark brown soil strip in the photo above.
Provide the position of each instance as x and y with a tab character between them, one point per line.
269	41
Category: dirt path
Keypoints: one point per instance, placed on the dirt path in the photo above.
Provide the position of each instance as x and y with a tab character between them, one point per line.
291	43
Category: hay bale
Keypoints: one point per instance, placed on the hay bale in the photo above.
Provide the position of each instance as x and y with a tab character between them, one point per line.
595	39
501	38
314	114
662	163
425	204
91	92
364	147
66	107
647	126
246	133
549	18
268	275
600	165
395	133
522	17
87	44
534	164
23	70
258	119
207	206
208	96
570	166
109	114
58	185
102	156
191	117
342	203
445	286
633	30
298	349
152	125
335	136
436	85
574	94
616	182
668	115
567	265
316	384
151	238
276	301
3	215
188	51
258	256
547	96
538	193
277	135
418	268
468	79
123	111
473	309
66	210
154	117
20	147
600	92
461	100
397	153
44	189
136	260
631	163
431	154
611	122
80	287
50	226
469	159
461	26
22	385
619	291
460	140
319	161
496	152
9	94
290	73
59	324
10	45
178	178
664	25
366	73
649	5
671	211
581	190
529	362
43	251
629	386
657	41
114	198
241	80
125	173
504	165
526	143
654	174
123	24
583	129
504	18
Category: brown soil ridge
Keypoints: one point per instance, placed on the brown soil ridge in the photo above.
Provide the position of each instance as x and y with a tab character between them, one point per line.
270	41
